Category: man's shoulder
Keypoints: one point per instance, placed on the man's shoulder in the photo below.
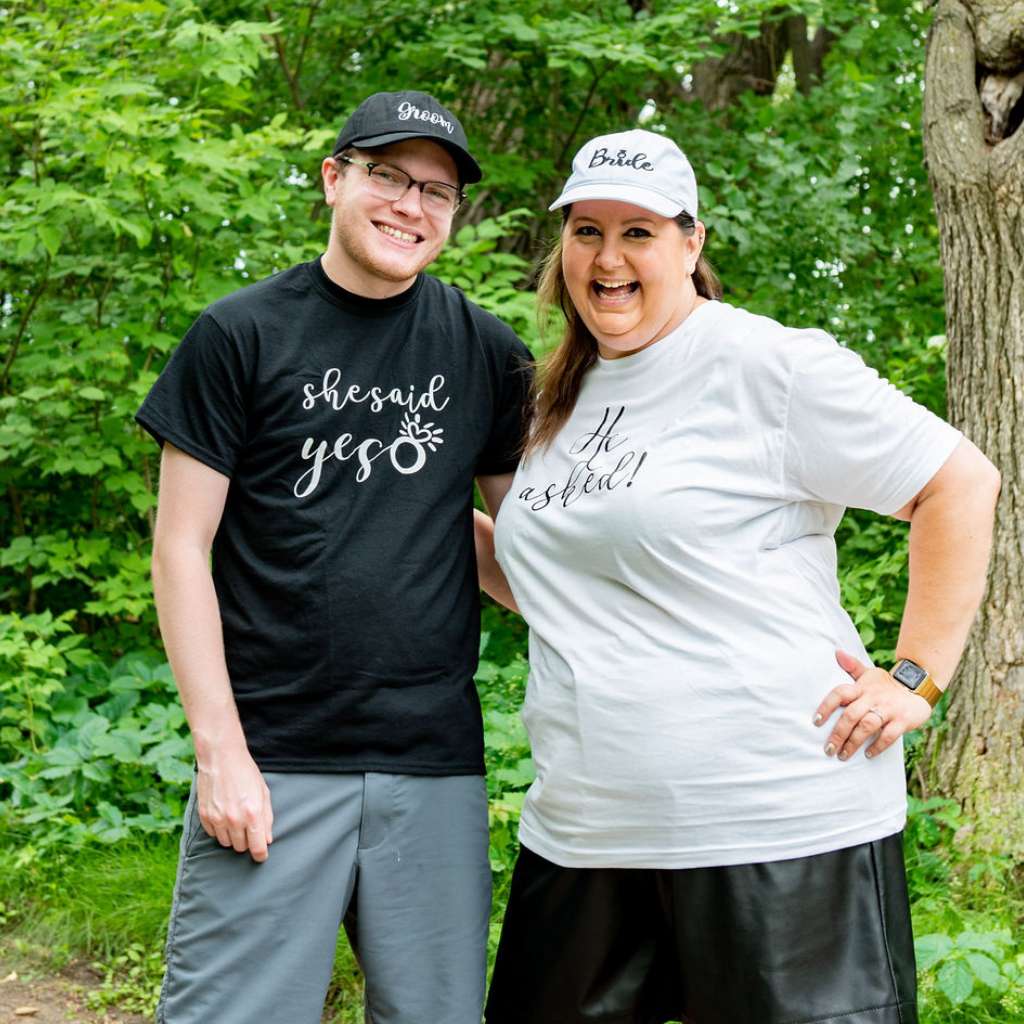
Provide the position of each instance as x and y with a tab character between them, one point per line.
243	306
492	331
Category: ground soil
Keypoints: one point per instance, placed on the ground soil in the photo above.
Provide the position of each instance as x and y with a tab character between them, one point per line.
27	997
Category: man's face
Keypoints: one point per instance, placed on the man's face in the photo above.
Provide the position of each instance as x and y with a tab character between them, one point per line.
379	245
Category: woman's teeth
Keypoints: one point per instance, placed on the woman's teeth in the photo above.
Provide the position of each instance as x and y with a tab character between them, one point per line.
402	236
614	289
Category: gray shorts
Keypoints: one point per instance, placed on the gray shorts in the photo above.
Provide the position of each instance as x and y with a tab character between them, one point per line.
401	860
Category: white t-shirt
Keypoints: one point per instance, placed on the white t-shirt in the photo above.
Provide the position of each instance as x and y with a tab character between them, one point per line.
672	552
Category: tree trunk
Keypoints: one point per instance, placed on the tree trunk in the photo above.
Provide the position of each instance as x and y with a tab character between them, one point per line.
751	64
808	52
978	183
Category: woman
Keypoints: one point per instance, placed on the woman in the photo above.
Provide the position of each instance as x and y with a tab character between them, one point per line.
701	842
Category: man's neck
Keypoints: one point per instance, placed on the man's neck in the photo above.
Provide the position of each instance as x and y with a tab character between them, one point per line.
355	279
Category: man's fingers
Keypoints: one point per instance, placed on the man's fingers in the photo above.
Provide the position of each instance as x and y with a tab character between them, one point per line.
257	839
844	693
239	838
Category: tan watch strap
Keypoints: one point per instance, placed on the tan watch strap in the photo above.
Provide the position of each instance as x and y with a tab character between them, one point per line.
926	688
929	691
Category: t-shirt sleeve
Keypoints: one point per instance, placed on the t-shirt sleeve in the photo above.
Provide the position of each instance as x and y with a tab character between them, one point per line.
197	402
511	415
854	439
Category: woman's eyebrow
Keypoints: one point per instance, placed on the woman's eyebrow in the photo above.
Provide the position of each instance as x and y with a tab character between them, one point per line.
630	220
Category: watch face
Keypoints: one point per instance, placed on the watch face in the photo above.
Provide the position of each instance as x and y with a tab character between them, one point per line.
909	674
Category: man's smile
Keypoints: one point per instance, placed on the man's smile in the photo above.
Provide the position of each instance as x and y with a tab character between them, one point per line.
397	233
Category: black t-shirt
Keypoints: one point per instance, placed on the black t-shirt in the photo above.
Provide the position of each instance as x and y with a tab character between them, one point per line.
351	430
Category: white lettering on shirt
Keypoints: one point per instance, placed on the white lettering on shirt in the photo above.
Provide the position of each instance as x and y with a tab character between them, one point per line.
407	453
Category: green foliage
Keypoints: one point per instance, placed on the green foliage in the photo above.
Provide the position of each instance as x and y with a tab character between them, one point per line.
112	757
94	900
35	652
130	199
158	154
816	205
130	981
967	907
471	261
509	765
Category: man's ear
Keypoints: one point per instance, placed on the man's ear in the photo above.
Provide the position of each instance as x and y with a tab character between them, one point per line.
330	175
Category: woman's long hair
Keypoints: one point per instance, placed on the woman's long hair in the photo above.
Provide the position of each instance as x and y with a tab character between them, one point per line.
560	376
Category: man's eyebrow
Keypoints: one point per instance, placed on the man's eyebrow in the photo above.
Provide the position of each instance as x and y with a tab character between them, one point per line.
391	162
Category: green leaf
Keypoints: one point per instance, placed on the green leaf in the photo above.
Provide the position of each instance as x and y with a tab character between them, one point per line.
989	942
929	949
50	237
956	980
122	748
985	970
174	771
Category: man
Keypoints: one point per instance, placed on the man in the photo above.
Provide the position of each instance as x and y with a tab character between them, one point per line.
321	431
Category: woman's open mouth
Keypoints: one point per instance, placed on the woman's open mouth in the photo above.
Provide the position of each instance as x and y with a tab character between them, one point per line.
613	290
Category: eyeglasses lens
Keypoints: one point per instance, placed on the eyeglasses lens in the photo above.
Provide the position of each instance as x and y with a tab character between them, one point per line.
391	183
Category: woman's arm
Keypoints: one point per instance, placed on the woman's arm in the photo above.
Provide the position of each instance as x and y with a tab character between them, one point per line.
492	578
951	521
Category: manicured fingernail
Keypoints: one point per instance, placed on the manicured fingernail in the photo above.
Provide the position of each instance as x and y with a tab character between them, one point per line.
867	753
843	756
830	749
818	718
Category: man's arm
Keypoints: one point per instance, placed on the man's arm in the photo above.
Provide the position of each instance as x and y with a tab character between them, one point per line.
233	799
492	578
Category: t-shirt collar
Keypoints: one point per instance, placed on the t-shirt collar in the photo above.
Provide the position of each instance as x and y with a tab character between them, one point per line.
360	304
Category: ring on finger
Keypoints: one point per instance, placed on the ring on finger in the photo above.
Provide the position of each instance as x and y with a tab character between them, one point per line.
875	711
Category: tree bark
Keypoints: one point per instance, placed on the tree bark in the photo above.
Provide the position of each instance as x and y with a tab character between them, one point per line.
978	758
750	64
808	52
754	63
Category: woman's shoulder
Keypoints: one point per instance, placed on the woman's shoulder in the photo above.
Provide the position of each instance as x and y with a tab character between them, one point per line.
755	340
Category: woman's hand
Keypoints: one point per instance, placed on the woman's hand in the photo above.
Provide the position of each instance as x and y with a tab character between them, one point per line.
876	706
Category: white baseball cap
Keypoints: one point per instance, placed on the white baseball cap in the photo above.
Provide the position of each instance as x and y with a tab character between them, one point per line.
636	167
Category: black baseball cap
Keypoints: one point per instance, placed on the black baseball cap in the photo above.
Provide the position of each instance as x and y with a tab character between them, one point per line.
387	117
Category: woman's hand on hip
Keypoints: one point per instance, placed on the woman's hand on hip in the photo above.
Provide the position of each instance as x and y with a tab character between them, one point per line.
878	709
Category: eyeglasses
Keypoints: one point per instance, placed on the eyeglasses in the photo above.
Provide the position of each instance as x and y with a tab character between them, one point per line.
391	183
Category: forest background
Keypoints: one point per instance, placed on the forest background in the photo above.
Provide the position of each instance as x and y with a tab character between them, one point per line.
155	156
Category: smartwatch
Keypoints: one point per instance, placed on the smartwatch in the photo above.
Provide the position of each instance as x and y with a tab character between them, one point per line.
916	679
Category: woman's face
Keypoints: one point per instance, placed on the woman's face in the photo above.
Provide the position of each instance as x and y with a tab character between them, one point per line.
628	273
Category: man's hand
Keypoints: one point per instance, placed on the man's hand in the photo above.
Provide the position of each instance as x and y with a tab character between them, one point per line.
234	804
876	706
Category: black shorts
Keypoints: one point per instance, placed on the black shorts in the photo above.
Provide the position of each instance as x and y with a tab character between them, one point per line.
823	939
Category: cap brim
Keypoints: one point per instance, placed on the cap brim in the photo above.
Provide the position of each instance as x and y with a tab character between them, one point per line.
620	192
469	169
